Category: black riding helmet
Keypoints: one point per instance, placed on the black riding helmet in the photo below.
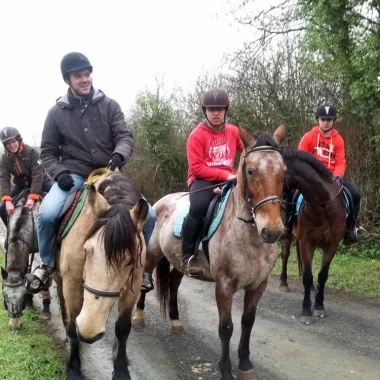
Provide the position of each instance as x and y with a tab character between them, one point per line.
72	62
9	133
326	111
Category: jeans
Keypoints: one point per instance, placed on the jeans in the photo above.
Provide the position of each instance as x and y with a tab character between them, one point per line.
16	190
149	225
48	218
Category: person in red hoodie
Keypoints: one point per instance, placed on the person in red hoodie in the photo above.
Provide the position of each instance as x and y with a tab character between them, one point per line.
211	149
326	144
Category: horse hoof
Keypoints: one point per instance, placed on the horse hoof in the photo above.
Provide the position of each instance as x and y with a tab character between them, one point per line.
307	319
247	375
177	327
46	315
284	288
319	313
138	323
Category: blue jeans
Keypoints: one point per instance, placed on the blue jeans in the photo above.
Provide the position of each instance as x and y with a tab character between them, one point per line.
149	225
16	190
49	214
48	218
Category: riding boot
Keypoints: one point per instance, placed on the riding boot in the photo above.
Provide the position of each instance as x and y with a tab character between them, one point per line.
191	264
39	279
350	236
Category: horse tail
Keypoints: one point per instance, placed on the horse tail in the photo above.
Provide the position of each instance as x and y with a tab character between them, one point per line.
162	281
299	259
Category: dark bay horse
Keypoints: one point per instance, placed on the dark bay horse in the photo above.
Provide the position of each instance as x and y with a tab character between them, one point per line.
242	251
321	224
22	241
102	260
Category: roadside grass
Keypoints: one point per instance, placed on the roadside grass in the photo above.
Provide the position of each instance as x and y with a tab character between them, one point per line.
352	274
28	354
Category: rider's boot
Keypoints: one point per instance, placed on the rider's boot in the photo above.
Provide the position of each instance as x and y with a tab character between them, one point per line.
39	279
191	264
147	284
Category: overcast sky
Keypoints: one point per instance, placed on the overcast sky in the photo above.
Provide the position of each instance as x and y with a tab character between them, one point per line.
129	44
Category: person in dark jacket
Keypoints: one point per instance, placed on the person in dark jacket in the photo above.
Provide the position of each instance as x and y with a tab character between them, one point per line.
22	162
84	131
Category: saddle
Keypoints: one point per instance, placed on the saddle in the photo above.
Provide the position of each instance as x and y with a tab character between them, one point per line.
211	221
298	199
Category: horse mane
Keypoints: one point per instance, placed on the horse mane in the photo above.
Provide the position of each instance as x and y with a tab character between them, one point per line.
119	232
264	139
318	166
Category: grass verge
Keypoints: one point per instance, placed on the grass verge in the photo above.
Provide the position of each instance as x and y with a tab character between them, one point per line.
28	354
357	275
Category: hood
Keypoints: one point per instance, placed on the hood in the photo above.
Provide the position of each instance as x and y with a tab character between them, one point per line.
63	101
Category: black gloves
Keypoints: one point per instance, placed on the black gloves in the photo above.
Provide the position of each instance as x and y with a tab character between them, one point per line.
117	161
65	181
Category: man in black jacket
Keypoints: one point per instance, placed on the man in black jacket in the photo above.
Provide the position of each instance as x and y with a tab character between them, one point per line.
82	132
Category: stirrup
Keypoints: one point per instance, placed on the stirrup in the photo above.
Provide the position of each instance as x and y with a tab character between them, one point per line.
188	267
35	284
147	278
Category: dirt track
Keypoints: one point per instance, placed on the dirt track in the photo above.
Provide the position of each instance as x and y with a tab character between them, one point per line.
344	345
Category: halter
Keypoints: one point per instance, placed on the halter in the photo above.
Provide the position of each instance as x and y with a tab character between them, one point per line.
254	207
101	293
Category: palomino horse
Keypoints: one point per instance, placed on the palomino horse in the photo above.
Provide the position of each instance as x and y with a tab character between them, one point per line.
22	241
242	251
101	260
321	223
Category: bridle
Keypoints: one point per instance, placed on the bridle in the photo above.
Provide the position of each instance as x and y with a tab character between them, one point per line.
101	293
255	206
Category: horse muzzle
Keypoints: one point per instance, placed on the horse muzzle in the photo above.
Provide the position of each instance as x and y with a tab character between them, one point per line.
270	236
88	339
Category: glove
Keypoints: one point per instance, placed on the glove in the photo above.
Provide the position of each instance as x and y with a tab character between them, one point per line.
339	179
65	181
117	161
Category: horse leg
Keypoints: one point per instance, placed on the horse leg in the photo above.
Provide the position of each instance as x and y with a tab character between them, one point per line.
138	321
73	371
122	329
175	280
224	293
251	299
45	295
328	255
29	301
306	254
285	252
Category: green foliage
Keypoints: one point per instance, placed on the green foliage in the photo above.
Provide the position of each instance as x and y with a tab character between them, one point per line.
28	353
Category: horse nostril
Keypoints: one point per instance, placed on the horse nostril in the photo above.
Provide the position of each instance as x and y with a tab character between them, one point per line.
265	233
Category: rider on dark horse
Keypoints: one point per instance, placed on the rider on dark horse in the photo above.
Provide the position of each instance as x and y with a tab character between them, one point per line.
23	163
82	132
211	149
326	144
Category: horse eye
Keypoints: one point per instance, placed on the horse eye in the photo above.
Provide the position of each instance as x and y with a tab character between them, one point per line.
251	171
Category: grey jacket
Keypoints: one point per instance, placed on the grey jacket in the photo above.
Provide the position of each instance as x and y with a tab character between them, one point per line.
80	135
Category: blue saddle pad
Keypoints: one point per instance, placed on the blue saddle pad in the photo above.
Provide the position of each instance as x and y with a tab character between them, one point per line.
177	228
300	199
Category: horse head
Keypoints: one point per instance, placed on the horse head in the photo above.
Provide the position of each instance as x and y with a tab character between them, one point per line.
260	180
14	294
114	260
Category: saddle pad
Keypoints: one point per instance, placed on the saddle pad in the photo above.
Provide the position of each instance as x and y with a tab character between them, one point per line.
177	228
300	199
72	213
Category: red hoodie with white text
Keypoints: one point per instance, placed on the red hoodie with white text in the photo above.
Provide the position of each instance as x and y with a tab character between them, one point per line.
210	154
329	150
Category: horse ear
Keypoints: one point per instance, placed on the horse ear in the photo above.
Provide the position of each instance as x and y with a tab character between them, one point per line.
96	200
139	214
246	138
279	134
4	273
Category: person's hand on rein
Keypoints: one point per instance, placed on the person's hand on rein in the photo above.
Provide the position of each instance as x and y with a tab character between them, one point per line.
29	204
9	207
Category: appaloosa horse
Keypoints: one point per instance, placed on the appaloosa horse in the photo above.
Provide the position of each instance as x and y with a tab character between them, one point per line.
102	260
21	241
242	251
321	223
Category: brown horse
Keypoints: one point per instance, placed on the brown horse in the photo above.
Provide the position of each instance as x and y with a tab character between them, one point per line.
242	251
321	223
101	260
